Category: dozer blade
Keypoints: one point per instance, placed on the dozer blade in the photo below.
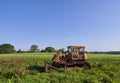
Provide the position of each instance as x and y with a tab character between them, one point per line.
49	66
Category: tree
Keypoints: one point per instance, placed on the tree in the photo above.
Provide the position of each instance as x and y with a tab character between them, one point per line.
61	50
42	50
49	49
19	51
34	48
7	48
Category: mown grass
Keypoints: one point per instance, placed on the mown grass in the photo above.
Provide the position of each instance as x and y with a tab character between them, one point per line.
28	68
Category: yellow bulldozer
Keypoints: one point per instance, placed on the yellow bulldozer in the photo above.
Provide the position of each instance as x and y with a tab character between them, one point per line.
75	57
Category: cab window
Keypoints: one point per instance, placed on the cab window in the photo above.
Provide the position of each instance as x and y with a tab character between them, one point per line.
75	55
81	51
69	50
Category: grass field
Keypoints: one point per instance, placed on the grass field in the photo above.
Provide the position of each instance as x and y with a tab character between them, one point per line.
28	68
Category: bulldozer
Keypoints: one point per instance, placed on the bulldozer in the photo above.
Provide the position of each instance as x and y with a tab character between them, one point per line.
75	57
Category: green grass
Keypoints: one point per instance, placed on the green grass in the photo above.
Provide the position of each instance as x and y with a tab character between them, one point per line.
28	68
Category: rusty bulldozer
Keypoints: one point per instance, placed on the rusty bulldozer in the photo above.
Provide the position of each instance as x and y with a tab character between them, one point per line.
75	58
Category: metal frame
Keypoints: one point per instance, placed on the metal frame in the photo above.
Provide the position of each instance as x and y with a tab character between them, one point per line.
72	52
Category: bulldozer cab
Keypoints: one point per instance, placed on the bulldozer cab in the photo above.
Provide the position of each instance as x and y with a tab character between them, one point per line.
76	52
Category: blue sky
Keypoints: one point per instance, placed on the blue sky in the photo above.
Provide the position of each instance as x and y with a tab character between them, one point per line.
59	23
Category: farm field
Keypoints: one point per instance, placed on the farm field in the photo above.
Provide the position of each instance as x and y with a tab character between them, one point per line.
28	68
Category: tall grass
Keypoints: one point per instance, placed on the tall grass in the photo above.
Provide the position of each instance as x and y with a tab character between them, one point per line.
27	68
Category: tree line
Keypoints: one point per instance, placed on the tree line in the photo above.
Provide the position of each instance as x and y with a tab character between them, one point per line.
9	48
